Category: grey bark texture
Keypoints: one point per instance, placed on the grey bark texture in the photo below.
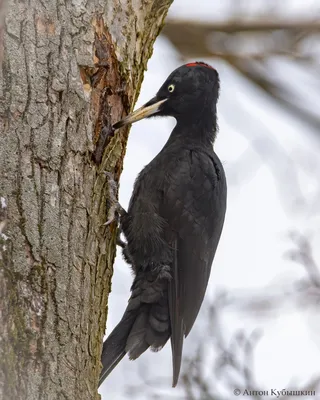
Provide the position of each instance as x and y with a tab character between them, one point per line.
70	69
2	13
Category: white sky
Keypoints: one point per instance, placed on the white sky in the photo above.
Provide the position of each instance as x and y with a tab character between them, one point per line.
262	208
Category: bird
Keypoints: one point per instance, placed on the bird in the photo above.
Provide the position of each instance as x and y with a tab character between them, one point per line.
174	220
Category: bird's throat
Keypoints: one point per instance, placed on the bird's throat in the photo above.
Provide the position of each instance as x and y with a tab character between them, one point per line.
199	129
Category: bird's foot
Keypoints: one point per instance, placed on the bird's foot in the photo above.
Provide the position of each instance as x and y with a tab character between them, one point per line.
115	212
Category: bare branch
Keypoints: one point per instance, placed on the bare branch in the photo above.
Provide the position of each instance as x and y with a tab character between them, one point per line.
303	255
245	25
222	39
247	44
276	90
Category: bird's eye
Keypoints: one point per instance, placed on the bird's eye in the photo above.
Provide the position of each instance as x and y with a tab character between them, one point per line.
171	88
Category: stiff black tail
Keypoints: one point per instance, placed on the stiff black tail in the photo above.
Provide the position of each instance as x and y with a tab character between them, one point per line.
114	347
145	323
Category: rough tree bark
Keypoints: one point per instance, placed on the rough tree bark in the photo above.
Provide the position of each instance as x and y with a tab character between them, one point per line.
70	69
2	12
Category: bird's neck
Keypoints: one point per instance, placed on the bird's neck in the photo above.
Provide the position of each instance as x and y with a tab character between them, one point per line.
200	129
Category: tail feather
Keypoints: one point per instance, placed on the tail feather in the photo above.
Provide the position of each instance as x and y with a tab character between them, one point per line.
136	344
145	323
114	347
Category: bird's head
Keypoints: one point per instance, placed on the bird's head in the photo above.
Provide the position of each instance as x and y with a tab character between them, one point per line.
190	91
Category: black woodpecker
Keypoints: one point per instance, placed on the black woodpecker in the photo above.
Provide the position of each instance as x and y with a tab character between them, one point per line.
174	221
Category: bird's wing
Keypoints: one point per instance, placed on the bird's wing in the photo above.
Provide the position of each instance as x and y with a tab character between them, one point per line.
176	317
194	207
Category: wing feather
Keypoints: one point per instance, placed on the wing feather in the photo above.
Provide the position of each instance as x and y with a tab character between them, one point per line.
194	208
176	318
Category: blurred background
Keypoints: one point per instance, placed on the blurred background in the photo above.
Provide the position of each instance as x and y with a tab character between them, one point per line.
259	327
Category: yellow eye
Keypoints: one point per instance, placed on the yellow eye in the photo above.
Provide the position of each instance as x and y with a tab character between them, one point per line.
171	88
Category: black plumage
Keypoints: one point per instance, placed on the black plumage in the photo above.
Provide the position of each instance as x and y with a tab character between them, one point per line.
174	221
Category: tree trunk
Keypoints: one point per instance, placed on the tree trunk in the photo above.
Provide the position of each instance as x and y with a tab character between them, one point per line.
70	69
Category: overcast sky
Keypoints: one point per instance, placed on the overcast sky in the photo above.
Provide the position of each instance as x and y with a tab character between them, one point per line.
268	196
